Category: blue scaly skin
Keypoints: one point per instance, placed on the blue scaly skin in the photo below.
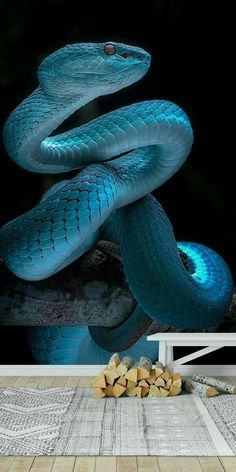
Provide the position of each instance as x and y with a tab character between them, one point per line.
110	197
73	345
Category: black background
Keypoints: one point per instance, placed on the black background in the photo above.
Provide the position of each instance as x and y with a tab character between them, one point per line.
193	54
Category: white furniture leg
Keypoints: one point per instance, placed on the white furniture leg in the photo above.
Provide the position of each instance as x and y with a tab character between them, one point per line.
170	354
162	352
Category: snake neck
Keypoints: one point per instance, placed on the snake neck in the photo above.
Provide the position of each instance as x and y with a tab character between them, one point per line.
31	122
160	125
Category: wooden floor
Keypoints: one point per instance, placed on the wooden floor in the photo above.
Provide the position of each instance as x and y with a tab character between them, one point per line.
104	464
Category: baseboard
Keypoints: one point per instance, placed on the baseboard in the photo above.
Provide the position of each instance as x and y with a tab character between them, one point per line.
91	370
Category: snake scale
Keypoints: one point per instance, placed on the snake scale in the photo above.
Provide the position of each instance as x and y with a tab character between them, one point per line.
121	157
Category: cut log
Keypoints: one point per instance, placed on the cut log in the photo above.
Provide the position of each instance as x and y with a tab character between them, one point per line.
163	392
139	392
143	383
139	380
109	391
218	384
99	393
177	383
111	376
122	381
145	391
99	381
173	391
168	384
176	376
151	379
132	374
118	390
199	389
159	382
132	392
159	368
165	375
131	384
125	364
154	391
144	367
114	361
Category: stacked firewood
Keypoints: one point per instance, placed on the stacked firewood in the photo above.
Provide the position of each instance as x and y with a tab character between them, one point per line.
136	379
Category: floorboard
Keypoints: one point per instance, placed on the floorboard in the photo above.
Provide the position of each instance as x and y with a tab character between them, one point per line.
46	382
85	381
21	464
5	463
229	463
105	464
189	464
169	464
59	381
21	381
211	464
147	464
85	464
63	464
42	464
33	382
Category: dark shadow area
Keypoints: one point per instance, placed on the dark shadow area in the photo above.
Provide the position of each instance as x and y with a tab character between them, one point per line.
223	356
14	348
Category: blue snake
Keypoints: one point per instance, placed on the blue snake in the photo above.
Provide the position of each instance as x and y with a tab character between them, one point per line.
122	157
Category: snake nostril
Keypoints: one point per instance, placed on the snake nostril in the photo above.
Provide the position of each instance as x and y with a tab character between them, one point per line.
126	54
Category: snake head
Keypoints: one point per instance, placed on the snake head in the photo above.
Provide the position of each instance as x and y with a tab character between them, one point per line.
92	68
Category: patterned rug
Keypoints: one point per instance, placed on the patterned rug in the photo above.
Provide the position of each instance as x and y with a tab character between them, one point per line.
223	409
31	419
69	421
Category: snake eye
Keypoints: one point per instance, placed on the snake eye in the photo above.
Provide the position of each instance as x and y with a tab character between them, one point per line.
109	49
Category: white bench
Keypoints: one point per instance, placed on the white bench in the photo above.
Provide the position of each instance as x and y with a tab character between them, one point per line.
213	341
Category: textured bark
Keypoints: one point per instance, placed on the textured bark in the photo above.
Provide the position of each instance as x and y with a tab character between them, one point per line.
144	367
199	389
145	363
125	364
114	361
91	292
218	384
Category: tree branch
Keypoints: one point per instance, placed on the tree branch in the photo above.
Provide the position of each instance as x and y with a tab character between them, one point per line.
92	291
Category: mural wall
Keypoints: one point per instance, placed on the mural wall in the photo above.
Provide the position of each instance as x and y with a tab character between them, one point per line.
137	236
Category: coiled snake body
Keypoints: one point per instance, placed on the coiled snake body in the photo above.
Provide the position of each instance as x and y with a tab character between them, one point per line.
110	197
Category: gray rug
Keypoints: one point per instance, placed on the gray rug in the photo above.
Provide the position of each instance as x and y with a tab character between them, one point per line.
31	419
69	421
223	409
